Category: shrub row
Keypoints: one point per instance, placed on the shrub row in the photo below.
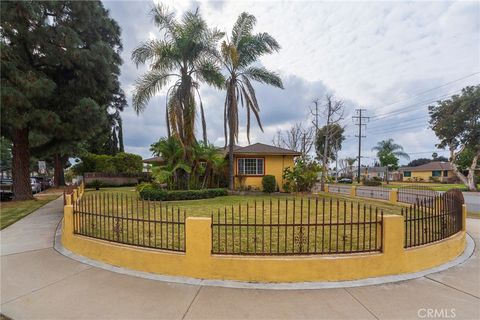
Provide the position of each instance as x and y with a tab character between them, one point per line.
372	183
152	193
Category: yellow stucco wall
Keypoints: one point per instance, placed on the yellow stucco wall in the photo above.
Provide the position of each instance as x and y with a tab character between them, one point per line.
198	262
425	175
274	165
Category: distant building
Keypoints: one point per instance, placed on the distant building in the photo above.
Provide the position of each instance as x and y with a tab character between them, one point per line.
432	171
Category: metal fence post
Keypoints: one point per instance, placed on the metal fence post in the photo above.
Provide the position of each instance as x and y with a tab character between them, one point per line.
393	196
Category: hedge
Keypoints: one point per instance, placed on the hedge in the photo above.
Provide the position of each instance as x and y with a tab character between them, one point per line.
269	184
372	183
153	193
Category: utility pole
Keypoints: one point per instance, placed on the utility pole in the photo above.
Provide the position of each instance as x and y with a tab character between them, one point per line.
360	122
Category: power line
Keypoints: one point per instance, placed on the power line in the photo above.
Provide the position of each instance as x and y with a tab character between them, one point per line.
360	117
435	88
419	104
418	120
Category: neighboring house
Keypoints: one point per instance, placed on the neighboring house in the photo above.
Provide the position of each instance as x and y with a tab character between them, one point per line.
432	171
257	160
377	172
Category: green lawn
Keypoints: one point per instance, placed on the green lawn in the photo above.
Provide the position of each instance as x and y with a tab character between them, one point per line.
12	211
433	186
275	230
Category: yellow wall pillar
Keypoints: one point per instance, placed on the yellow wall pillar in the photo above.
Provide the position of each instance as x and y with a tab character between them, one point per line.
326	188
393	196
67	224
393	234
198	242
464	217
353	191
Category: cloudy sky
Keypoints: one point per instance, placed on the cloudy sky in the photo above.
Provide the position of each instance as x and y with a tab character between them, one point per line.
391	58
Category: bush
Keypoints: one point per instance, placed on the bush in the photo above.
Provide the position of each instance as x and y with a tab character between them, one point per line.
372	183
151	192
120	163
269	183
302	176
376	179
95	184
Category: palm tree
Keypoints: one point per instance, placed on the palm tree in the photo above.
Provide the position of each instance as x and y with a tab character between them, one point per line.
171	151
185	57
388	153
389	147
239	54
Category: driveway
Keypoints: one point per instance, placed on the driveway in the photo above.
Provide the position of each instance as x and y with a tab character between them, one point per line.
39	283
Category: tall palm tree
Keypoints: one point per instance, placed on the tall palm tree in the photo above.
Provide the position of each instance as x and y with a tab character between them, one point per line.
185	57
389	147
388	153
239	55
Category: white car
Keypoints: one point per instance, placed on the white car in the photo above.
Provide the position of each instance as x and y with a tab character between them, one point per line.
36	185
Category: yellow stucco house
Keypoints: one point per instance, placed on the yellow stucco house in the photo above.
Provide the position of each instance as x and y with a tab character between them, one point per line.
255	161
432	171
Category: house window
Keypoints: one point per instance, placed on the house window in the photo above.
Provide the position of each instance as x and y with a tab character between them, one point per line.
445	173
250	166
436	173
407	174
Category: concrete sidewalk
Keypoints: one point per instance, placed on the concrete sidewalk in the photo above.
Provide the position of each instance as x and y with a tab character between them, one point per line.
39	283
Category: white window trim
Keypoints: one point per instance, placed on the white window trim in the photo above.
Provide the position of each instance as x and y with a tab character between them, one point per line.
251	174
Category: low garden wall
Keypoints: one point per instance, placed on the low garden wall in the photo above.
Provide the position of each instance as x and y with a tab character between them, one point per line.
193	250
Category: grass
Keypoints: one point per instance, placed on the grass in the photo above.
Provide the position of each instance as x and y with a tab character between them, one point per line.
12	211
337	229
433	186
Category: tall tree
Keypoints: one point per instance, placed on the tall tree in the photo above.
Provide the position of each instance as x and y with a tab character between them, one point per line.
333	110
456	122
298	138
239	55
183	59
24	44
388	153
62	67
336	137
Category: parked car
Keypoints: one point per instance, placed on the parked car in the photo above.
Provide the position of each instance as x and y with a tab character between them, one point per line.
36	185
345	180
43	182
6	189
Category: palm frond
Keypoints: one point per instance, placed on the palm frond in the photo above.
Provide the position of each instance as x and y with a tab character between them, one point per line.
146	87
263	75
207	70
164	19
243	26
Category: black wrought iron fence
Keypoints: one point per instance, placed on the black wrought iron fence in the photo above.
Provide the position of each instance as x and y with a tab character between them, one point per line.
292	227
382	193
129	220
415	193
341	189
434	218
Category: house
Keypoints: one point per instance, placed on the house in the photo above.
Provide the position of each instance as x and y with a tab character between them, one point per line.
255	161
380	173
432	171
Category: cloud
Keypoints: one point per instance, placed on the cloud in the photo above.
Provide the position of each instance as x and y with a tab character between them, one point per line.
380	56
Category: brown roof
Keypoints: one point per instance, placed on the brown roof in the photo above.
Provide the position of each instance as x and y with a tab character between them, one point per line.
153	160
434	165
260	148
